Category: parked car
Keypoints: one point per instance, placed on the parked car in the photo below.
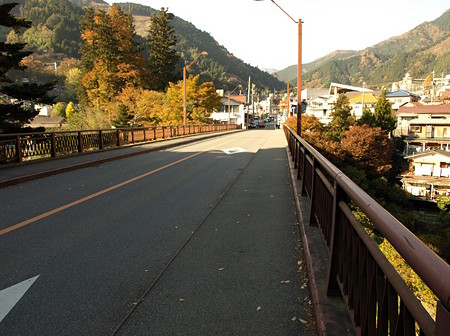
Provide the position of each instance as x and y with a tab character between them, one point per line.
262	124
253	124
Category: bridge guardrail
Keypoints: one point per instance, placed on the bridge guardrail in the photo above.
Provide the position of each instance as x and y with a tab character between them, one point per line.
377	297
30	146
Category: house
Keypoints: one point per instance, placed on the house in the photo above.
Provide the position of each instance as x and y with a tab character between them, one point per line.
429	174
401	97
237	113
425	127
47	122
359	100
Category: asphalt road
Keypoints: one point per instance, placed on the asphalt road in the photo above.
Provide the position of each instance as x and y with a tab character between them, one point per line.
202	235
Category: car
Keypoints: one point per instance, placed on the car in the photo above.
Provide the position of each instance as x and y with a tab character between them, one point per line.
253	124
262	124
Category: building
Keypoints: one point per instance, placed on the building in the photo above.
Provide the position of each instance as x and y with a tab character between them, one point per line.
237	110
358	101
429	174
425	127
401	97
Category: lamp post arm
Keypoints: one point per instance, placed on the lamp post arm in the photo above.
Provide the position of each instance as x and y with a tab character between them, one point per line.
284	11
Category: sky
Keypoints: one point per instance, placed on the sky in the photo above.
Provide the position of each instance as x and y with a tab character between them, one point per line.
260	34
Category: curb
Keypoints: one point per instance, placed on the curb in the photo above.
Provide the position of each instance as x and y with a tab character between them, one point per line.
34	176
332	316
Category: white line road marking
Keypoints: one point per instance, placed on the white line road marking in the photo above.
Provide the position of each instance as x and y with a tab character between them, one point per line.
10	296
235	150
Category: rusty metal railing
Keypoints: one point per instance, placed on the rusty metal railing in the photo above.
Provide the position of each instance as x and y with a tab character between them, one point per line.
31	146
377	297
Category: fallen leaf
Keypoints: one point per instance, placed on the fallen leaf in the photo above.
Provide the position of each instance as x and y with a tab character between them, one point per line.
294	318
258	308
299	262
285	281
182	300
221	269
303	321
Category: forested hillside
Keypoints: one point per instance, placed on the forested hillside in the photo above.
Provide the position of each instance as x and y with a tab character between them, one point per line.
56	34
419	52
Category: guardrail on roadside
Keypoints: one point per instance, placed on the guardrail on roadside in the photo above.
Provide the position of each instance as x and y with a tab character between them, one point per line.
30	146
377	297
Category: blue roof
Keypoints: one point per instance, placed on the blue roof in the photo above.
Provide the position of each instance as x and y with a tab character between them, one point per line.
400	93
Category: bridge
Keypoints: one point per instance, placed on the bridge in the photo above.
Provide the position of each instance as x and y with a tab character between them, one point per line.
222	232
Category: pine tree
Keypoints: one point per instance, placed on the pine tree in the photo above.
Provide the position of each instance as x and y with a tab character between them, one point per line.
383	114
342	119
163	56
123	117
13	115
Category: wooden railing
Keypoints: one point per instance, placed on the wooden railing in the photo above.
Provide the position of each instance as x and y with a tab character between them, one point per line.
377	297
30	146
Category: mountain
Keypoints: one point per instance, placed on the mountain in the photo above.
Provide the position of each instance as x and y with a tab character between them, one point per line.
55	33
220	66
418	52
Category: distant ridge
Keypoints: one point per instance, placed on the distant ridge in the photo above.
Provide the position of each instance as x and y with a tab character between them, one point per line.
418	52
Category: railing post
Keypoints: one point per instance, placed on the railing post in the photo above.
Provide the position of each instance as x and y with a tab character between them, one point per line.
442	320
18	149
154	132
303	172
312	215
118	137
145	138
100	138
163	129
53	150
178	130
132	135
80	142
333	263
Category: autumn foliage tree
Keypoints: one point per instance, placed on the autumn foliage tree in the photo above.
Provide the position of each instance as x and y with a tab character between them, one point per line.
368	148
111	59
201	100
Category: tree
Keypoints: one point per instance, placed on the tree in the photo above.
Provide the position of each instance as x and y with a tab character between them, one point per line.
59	110
18	108
123	117
342	119
163	56
111	60
367	118
368	148
383	114
70	110
201	100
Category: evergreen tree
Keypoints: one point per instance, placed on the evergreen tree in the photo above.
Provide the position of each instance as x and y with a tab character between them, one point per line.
342	119
163	56
13	115
123	117
383	114
367	118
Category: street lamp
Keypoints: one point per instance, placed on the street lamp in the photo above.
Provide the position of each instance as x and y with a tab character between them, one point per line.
184	84
229	107
299	68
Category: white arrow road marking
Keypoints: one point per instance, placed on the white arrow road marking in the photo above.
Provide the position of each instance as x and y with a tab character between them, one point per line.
10	296
235	150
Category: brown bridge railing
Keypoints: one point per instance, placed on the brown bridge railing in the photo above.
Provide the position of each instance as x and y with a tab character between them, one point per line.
29	146
377	297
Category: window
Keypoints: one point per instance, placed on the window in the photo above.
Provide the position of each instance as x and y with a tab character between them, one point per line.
415	129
